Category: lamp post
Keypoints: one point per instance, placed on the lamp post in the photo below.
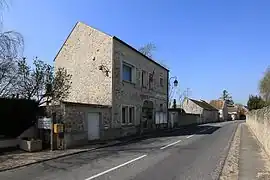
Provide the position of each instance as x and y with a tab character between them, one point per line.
170	88
175	84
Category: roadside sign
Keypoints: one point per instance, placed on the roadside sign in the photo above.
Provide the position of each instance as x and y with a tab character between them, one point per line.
44	123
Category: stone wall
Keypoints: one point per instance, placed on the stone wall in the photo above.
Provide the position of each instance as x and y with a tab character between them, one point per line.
182	119
259	123
76	123
187	119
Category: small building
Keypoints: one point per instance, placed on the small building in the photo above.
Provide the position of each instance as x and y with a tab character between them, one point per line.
178	117
206	112
222	108
233	112
116	90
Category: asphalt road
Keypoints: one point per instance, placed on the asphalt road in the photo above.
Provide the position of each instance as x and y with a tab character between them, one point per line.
184	154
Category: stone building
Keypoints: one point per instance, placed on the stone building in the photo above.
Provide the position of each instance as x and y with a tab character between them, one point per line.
206	112
127	90
222	107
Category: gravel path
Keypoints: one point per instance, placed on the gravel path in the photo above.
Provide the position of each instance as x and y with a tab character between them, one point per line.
230	170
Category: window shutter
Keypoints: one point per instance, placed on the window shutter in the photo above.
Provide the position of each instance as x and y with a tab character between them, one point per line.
134	75
121	70
138	78
157	118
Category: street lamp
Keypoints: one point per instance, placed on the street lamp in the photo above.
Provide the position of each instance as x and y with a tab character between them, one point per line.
175	82
170	90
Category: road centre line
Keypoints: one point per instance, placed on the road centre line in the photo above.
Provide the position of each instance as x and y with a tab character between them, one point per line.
190	136
171	144
181	140
138	158
116	167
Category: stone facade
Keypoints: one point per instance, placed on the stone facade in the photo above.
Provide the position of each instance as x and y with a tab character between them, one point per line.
222	107
134	94
209	116
202	109
259	123
95	61
87	56
190	107
76	122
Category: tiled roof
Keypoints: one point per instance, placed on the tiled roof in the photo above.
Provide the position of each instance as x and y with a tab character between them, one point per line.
218	104
204	105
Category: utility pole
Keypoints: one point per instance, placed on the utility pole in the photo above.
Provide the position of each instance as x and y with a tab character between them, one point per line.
188	90
185	95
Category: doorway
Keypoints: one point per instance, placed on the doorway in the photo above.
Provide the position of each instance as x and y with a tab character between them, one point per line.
93	126
147	114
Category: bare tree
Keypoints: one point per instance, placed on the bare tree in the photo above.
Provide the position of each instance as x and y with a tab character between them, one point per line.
7	76
41	83
148	49
11	48
11	44
264	85
3	4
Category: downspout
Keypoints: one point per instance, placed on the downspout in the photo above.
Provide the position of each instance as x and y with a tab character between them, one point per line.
167	98
111	125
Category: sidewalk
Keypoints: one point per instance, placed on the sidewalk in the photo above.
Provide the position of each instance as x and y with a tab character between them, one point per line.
19	158
253	161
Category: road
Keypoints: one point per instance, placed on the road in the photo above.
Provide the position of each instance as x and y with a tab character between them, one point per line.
191	154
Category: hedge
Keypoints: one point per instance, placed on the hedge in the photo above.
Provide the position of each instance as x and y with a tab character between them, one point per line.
16	116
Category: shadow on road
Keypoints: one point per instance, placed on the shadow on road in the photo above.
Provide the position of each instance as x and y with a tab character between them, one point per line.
183	131
143	144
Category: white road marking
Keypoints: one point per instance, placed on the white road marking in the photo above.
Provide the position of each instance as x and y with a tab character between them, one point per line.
190	136
171	144
116	167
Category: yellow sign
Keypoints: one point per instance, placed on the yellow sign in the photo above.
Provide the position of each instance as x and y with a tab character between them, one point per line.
58	128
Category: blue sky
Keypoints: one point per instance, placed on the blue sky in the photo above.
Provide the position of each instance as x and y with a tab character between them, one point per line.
210	45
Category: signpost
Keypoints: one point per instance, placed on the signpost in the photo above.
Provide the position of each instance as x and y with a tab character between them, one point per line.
44	123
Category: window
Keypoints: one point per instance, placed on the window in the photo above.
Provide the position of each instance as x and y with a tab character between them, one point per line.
128	114
144	79
131	115
161	83
161	118
127	73
161	107
124	115
150	80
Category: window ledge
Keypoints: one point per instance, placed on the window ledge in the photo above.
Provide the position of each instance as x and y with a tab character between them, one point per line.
129	82
127	125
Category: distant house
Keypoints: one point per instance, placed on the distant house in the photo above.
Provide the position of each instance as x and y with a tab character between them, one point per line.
207	112
233	112
178	117
243	110
222	107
